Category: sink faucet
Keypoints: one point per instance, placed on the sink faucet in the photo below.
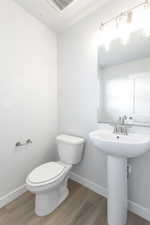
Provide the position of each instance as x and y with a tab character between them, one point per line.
120	127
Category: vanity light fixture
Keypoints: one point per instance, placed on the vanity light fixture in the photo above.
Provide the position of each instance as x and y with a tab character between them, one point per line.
122	25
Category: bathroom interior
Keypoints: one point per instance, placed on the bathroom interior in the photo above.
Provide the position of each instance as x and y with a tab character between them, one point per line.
75	112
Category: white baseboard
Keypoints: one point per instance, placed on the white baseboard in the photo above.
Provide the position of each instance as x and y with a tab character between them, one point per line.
4	200
139	210
89	184
133	207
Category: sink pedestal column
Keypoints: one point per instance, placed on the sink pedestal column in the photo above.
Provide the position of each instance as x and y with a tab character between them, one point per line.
117	190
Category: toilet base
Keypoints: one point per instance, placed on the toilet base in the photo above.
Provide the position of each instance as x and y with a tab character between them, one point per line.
47	202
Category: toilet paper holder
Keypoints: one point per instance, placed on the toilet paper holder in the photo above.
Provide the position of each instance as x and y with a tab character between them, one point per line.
19	144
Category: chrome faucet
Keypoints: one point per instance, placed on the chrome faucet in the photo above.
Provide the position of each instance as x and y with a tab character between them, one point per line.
120	127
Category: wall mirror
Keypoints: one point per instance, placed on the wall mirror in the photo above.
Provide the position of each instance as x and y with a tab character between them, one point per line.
124	81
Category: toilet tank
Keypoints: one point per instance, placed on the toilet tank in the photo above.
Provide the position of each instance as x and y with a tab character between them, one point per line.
70	148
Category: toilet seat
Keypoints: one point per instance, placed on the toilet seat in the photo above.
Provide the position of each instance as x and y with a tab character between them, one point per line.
46	173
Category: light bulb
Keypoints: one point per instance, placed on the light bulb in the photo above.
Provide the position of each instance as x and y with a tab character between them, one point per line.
124	26
107	34
146	19
142	18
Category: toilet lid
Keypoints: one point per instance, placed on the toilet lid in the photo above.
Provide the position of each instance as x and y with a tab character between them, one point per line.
46	172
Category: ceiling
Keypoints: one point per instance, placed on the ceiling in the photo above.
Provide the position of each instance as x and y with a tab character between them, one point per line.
60	20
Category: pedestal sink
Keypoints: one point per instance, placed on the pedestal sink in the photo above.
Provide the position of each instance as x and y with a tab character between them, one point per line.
118	148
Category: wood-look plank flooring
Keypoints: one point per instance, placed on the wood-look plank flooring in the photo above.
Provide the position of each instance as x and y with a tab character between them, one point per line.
82	207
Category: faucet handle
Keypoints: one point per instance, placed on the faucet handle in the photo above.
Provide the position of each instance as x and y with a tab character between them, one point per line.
115	129
125	117
125	130
120	119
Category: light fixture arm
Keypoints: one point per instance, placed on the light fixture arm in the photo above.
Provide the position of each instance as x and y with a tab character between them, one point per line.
127	13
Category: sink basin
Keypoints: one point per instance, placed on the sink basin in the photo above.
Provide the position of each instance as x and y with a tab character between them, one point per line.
118	149
127	146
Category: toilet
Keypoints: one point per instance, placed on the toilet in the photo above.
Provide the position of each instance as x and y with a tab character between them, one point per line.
49	181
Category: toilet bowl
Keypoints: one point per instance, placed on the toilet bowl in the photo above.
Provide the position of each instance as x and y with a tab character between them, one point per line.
49	181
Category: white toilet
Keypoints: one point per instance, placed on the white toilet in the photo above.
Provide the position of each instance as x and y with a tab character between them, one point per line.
49	181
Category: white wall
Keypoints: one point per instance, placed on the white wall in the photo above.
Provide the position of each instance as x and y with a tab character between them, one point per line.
28	94
78	100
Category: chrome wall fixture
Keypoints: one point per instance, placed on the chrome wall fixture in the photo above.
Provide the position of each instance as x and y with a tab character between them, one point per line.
19	144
